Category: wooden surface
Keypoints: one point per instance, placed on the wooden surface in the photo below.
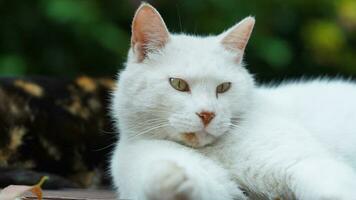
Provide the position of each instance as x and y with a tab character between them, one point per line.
75	195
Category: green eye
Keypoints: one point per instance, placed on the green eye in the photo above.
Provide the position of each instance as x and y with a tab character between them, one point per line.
179	84
223	87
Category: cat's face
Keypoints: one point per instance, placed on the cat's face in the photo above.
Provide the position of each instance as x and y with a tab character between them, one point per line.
183	88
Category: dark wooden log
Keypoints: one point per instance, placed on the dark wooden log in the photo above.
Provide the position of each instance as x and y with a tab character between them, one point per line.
56	126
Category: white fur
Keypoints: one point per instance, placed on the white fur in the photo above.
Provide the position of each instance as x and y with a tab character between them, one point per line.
296	140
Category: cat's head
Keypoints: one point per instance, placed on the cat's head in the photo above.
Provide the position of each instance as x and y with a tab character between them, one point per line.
180	87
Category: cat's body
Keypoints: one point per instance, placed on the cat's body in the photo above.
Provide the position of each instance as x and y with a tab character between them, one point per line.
219	133
326	108
291	124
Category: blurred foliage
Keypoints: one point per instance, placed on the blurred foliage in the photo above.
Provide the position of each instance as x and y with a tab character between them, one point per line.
71	37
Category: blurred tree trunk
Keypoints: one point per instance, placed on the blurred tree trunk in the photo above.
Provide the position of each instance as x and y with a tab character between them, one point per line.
56	126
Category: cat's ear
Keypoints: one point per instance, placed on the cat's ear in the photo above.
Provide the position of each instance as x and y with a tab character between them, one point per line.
149	32
236	38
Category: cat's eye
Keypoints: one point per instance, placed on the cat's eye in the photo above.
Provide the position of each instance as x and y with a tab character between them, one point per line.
223	87
179	84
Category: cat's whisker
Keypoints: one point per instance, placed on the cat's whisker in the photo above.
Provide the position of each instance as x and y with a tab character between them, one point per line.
105	147
108	132
158	109
188	123
149	130
236	119
144	125
147	122
153	114
152	110
235	126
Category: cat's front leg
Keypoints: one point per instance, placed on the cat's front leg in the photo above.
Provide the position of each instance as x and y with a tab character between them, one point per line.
165	179
155	170
323	179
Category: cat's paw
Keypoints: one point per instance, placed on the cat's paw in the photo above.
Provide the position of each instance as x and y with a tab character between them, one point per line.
168	181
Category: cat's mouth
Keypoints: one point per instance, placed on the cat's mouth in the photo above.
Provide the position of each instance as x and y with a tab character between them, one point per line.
190	137
197	139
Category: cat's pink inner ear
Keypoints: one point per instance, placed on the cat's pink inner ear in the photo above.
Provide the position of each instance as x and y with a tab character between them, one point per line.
149	32
236	38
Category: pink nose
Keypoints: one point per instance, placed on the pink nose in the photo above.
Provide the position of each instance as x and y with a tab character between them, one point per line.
206	117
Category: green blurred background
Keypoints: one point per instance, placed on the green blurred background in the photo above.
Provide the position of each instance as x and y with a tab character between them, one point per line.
67	38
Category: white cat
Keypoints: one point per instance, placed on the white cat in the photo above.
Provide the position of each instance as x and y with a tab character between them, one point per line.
193	125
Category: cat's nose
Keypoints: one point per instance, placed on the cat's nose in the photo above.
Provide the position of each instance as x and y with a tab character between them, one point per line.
206	117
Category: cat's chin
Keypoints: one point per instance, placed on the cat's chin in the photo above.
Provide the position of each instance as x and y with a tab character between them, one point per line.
197	139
